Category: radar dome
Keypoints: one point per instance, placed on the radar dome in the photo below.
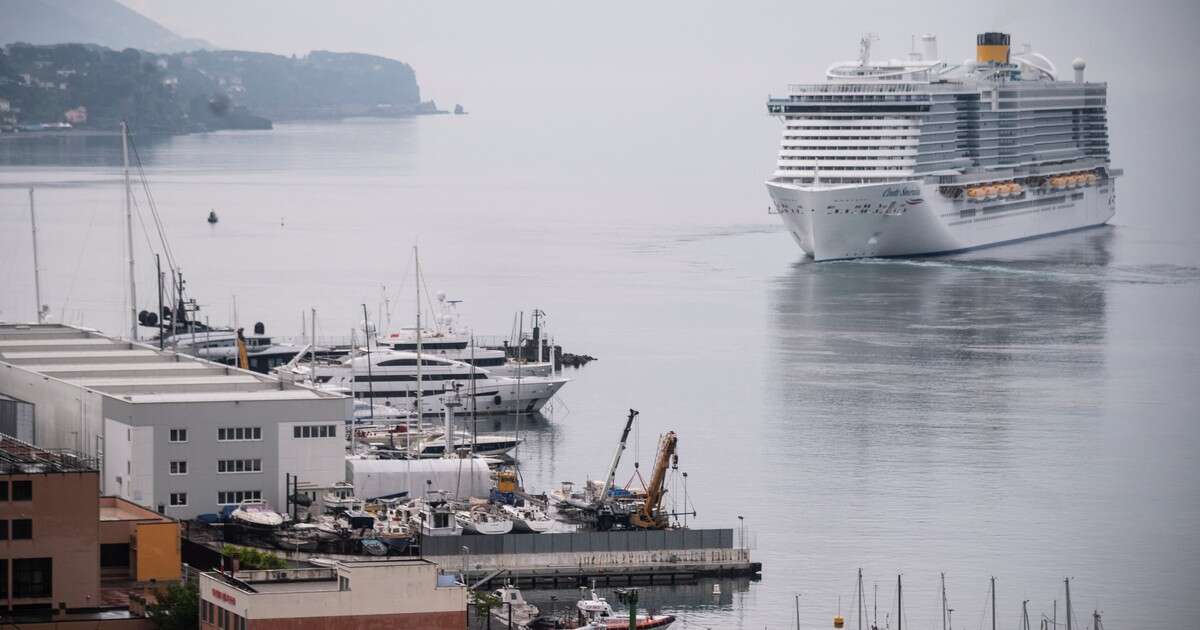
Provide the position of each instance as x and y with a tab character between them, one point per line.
1079	63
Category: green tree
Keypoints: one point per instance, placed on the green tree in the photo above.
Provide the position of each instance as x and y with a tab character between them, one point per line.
177	608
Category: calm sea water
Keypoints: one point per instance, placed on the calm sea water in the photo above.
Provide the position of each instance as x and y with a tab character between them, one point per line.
1026	411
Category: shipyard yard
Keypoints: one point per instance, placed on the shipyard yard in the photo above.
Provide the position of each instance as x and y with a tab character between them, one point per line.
548	367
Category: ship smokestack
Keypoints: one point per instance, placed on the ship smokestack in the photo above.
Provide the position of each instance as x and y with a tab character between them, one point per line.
992	48
1079	64
929	47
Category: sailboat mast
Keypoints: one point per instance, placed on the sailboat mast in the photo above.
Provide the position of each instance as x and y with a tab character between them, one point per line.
37	271
1067	581
993	602
370	377
943	601
860	599
474	420
899	604
420	383
133	323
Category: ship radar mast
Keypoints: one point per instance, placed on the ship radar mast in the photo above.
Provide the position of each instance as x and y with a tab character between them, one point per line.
864	48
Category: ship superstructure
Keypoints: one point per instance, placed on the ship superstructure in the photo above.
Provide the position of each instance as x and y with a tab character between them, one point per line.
918	156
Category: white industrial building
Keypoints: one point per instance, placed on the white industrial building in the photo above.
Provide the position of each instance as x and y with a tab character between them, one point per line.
174	433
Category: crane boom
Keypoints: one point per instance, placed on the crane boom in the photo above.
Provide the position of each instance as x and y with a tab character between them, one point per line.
649	516
611	480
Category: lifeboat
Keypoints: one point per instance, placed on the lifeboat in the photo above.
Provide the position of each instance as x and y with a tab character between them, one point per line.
974	194
1076	181
1016	188
992	192
1092	179
1057	183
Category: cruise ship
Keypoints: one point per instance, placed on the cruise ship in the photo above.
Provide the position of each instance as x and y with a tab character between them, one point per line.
919	156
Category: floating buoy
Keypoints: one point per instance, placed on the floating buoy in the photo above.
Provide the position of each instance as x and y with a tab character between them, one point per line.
839	621
212	216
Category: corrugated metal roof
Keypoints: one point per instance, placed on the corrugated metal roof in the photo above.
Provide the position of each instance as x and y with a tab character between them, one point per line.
135	372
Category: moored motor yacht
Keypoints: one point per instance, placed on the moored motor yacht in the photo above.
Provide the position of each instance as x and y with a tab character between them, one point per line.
390	377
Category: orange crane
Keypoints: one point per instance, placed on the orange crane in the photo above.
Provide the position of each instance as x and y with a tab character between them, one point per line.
650	514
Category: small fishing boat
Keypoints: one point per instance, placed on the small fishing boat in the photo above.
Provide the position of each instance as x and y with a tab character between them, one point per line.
212	216
257	515
481	520
341	497
528	518
522	612
432	516
596	612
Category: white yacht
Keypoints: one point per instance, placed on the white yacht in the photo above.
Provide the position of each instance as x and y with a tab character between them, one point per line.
920	156
479	519
528	518
451	344
390	377
450	340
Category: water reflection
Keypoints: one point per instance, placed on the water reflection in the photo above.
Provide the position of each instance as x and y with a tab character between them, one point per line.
951	340
74	148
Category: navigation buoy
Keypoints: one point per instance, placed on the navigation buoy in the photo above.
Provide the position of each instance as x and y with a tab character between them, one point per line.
212	216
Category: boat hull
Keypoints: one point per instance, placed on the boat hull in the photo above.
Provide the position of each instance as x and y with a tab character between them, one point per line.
908	219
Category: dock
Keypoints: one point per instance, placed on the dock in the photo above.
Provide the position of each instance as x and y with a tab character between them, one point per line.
564	559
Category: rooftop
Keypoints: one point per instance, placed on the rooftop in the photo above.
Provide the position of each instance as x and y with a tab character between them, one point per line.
305	580
23	458
135	372
116	509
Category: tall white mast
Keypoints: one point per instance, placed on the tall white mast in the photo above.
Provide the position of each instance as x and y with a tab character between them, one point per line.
133	323
420	383
37	272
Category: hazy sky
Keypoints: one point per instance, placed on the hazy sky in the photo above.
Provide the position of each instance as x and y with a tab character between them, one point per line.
544	54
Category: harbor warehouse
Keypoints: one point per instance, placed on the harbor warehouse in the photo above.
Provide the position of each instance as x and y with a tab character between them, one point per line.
179	435
397	594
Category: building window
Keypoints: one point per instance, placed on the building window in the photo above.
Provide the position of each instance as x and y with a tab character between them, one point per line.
178	499
3	579
178	435
234	497
22	529
22	490
239	434
32	577
3	530
315	431
239	465
114	555
179	467
343	583
3	490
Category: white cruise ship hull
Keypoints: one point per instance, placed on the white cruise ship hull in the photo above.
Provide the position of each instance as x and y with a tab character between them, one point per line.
913	218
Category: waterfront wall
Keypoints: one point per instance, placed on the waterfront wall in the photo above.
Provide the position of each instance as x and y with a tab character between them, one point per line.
591	553
580	542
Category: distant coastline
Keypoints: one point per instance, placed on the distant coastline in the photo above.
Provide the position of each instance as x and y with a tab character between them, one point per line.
94	88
